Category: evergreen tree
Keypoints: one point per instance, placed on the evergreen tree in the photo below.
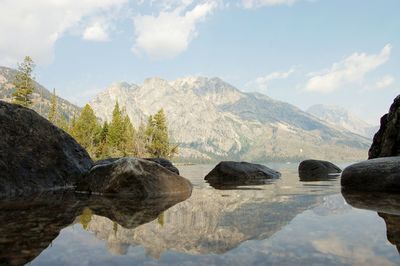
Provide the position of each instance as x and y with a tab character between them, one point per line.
158	144
140	142
128	137
53	108
102	150
23	83
86	129
116	132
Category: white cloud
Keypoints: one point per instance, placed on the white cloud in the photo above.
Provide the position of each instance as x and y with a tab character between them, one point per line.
96	32
260	3
385	82
170	32
349	71
33	27
262	83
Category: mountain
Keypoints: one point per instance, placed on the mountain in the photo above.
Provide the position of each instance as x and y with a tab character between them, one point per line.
212	120
340	117
41	96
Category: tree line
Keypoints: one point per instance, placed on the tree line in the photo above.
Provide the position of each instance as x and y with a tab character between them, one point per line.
116	138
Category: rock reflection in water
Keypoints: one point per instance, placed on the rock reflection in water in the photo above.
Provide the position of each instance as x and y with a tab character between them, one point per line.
387	206
30	225
210	222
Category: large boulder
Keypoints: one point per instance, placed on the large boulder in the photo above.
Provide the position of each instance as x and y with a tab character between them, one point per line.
161	161
36	155
133	177
387	140
240	173
380	174
314	170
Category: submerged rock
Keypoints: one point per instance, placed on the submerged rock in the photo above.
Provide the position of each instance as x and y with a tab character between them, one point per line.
36	155
239	173
134	177
314	170
161	161
380	174
387	140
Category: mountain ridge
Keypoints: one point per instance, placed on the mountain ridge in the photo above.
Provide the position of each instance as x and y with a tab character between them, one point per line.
213	120
41	96
342	118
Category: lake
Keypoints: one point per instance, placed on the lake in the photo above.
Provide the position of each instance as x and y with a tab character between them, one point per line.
284	222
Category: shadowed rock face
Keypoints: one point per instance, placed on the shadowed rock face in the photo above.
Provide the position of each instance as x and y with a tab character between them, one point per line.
385	204
34	154
380	174
229	173
161	161
134	177
315	170
30	225
387	140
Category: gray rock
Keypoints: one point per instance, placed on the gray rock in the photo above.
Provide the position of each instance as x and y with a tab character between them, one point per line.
35	155
164	162
380	174
161	161
387	140
314	170
240	173
133	177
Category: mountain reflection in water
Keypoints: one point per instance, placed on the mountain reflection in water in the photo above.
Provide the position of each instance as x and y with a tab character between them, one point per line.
281	222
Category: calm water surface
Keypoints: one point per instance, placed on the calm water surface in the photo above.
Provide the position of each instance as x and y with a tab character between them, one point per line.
285	222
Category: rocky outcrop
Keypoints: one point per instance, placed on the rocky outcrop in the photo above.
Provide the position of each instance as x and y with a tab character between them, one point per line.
161	161
240	173
314	170
133	177
380	174
35	154
387	140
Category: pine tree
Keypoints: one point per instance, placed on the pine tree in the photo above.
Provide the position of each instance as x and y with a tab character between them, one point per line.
140	142
53	108
116	131
86	129
23	83
158	144
128	137
102	150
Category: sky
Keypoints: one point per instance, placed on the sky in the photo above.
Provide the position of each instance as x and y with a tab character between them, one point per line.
305	52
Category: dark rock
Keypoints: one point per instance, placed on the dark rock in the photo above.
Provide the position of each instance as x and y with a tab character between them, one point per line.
314	170
386	141
164	162
240	173
36	155
161	161
134	177
380	174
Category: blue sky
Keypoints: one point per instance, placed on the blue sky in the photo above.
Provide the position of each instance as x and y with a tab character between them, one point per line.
341	52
